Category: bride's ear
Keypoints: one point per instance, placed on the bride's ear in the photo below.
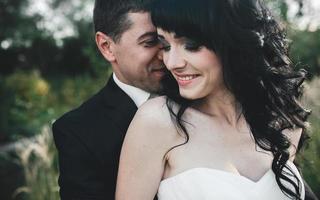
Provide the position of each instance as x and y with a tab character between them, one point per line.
105	45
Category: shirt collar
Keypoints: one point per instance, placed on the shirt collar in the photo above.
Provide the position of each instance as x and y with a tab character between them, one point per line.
136	94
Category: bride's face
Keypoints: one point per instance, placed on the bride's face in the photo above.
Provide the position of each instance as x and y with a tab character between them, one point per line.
197	69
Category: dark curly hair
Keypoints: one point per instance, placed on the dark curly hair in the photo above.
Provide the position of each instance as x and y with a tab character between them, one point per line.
253	50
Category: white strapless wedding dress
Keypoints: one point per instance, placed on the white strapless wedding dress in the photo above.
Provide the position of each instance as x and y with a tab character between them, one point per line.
210	184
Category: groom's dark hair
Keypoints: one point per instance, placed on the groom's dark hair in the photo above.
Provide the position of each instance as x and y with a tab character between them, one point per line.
111	16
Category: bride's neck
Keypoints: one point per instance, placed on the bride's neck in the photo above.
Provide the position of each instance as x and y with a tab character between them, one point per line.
221	105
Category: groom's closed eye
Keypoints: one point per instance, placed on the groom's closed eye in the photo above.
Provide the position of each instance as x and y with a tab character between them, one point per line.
148	39
151	42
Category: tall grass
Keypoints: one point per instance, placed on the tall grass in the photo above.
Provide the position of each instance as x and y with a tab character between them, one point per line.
38	158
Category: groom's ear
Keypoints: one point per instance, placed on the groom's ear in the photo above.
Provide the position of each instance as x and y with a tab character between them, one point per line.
105	45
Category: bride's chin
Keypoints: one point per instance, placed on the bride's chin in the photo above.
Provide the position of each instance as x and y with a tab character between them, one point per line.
190	96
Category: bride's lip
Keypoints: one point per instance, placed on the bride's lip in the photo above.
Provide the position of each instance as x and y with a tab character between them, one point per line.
186	79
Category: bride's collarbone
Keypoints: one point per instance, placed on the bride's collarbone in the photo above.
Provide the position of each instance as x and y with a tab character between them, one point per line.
241	167
217	155
218	146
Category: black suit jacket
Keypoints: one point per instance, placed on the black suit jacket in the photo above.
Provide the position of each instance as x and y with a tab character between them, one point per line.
89	141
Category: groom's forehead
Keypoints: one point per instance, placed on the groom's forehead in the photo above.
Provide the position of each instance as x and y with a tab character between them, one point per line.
140	19
141	25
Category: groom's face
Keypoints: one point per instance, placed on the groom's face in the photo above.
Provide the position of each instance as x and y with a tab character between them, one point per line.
137	63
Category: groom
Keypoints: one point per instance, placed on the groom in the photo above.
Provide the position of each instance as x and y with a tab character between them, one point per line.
89	138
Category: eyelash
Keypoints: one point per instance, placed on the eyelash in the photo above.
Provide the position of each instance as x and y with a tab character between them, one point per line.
165	48
192	47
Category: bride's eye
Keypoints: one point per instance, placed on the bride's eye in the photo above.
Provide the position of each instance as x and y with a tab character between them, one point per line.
191	45
165	48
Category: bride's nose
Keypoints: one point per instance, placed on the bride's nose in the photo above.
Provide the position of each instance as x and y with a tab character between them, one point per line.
173	60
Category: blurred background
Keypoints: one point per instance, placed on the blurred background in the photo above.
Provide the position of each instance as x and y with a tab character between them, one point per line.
49	64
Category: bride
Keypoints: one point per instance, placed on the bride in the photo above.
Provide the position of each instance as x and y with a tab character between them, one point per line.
229	124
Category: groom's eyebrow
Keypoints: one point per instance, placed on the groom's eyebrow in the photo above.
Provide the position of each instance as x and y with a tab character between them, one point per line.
148	34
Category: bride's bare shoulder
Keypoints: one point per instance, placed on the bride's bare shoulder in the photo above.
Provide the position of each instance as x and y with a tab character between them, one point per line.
155	108
153	122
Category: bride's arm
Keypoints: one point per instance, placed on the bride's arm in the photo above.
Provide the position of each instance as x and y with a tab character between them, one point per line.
142	156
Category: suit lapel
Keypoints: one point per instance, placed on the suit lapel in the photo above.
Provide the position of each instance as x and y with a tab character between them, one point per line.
118	104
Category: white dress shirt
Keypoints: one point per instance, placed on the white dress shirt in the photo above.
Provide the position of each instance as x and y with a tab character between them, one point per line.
136	94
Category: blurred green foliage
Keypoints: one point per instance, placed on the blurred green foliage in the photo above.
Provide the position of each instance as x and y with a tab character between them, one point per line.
42	76
26	107
309	159
305	50
29	100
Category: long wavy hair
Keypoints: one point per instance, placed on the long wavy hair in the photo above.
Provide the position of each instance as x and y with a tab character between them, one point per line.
253	50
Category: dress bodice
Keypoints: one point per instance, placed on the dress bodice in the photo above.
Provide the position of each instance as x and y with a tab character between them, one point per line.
209	184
